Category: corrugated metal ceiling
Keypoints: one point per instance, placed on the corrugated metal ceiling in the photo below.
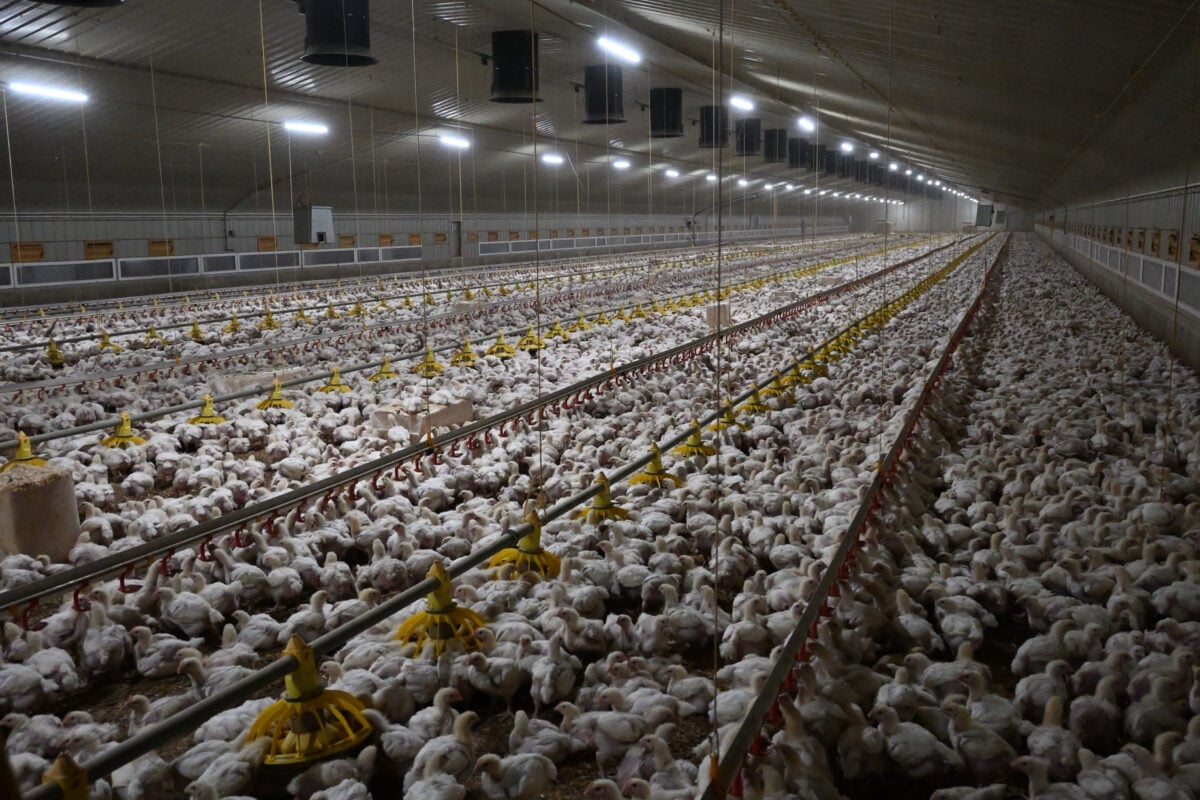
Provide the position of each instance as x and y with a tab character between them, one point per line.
1015	98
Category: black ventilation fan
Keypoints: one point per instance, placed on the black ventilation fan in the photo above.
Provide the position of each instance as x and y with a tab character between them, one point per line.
666	112
603	94
514	66
337	33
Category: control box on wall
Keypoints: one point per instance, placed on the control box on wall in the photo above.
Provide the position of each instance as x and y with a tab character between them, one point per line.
313	224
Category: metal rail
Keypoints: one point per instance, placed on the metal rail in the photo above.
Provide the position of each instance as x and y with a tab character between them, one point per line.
817	604
115	565
189	719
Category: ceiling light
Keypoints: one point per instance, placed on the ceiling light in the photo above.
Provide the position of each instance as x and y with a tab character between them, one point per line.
807	124
743	103
743	182
847	147
48	92
768	186
937	183
672	173
920	176
710	177
788	187
455	142
314	128
620	163
808	191
908	172
837	194
824	192
893	167
553	159
621	51
874	155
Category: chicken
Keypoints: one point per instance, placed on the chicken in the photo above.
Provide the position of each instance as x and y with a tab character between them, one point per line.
456	751
552	675
1055	745
434	782
518	777
541	737
987	755
609	733
916	751
496	677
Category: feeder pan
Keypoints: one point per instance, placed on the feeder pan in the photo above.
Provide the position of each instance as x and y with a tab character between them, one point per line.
429	366
335	383
309	722
465	357
530	342
54	355
153	337
106	343
269	323
233	327
694	446
501	349
196	334
276	399
385	372
654	473
208	415
528	555
123	436
443	623
602	507
24	456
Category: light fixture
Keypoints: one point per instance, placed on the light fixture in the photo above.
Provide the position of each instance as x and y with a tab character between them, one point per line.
454	142
620	163
553	159
837	194
893	167
824	192
907	172
313	128
742	103
847	147
788	187
920	176
743	182
937	183
807	124
672	173
710	177
621	51
874	155
808	191
48	92
768	186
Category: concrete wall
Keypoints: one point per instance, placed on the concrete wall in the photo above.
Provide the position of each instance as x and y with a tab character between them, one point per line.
1163	297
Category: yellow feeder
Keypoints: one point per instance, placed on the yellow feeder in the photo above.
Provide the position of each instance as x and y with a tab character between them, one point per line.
820	364
777	387
465	357
501	349
357	309
429	301
335	383
269	323
503	291
754	405
407	302
556	331
443	621
429	366
602	507
208	415
71	778
382	305
637	312
234	326
449	295
528	555
196	334
654	473
468	294
123	435
487	292
106	343
602	318
385	372
579	324
309	722
330	312
54	355
153	337
655	308
726	420
301	318
531	342
694	446
276	399
621	315
24	456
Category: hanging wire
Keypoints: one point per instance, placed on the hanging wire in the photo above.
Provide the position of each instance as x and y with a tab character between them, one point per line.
12	185
262	44
536	483
426	388
162	188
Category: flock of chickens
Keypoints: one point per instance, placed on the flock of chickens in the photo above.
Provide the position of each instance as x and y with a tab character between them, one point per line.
1021	619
